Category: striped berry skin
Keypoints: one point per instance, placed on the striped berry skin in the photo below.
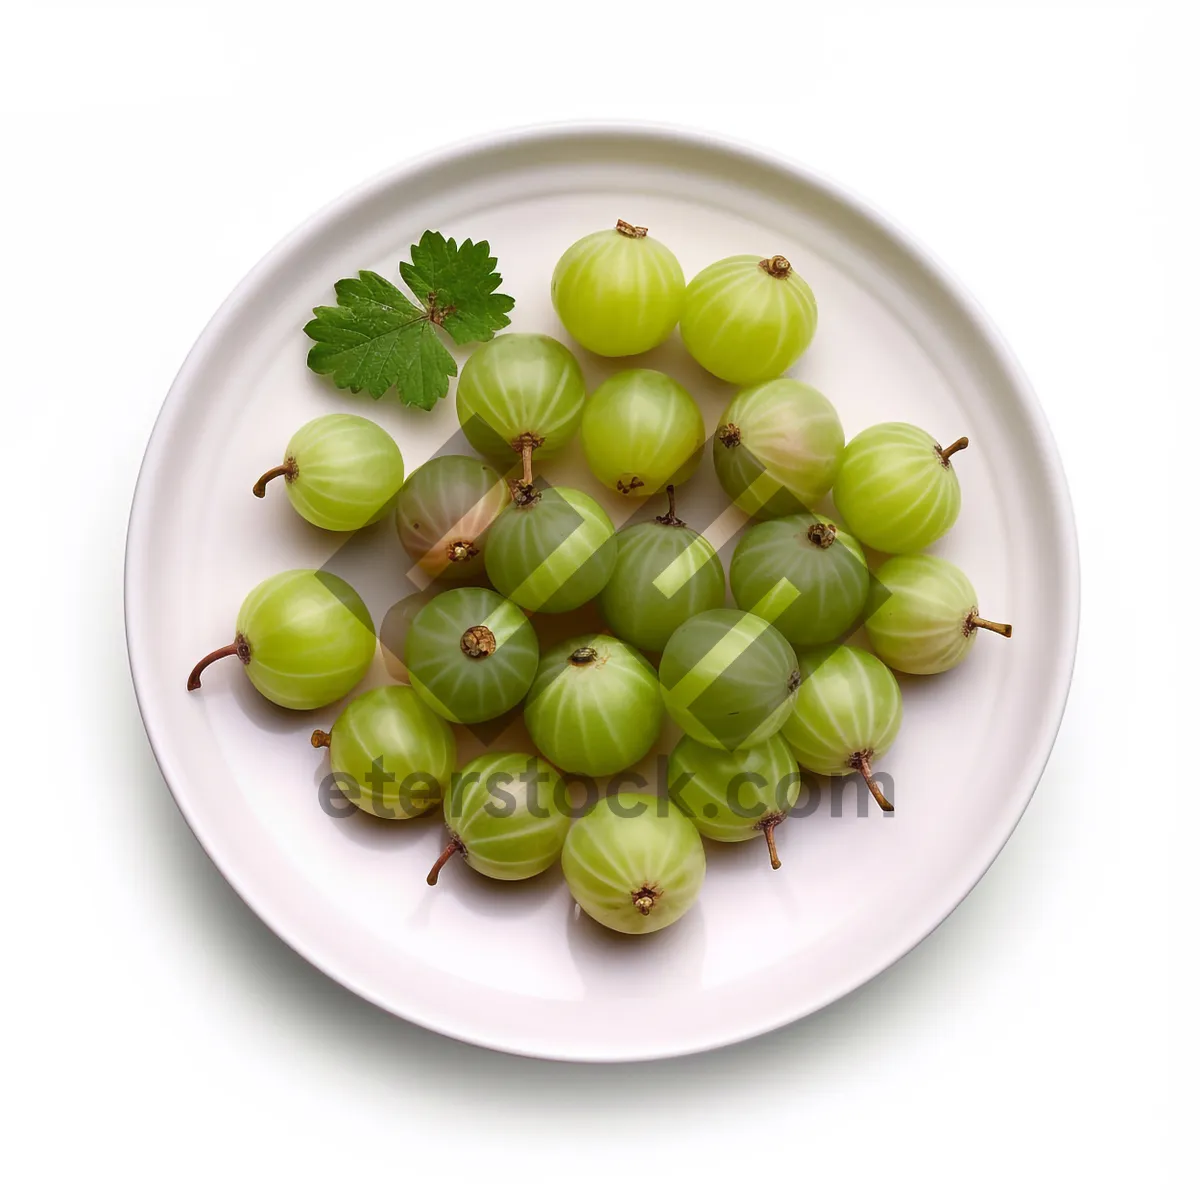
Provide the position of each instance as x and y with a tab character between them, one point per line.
924	615
594	707
551	551
633	864
897	489
618	291
508	817
734	796
642	431
728	678
748	319
341	472
391	755
847	714
444	512
777	448
304	637
803	574
471	655
520	385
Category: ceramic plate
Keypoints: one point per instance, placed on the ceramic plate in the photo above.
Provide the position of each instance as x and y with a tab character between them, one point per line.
517	967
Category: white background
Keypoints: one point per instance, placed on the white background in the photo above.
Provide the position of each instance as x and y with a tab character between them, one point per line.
158	1039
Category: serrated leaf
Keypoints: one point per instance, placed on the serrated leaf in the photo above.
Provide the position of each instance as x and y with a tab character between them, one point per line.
459	284
376	338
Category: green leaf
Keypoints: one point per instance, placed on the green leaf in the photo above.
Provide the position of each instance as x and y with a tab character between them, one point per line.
458	284
376	338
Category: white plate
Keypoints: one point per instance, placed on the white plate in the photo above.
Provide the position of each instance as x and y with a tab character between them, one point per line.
516	967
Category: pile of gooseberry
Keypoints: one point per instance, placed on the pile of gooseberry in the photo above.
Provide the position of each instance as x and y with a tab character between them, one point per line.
759	690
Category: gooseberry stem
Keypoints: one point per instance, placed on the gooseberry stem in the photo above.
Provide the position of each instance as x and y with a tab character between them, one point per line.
527	447
455	847
777	266
320	739
769	834
953	448
861	762
670	518
523	491
238	646
975	621
287	470
631	231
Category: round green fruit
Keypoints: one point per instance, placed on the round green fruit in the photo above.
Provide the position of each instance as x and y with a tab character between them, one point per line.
804	575
634	864
521	388
341	472
728	678
594	707
507	816
618	291
391	755
897	489
924	614
777	448
304	637
733	796
552	550
664	574
747	319
846	716
641	431
471	655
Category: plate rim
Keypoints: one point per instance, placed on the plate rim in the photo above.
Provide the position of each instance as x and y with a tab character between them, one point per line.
697	140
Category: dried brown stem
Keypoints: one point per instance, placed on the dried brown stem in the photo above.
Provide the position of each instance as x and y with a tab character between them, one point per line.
320	739
769	834
953	448
287	470
861	762
631	231
975	621
455	847
669	518
777	266
238	646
